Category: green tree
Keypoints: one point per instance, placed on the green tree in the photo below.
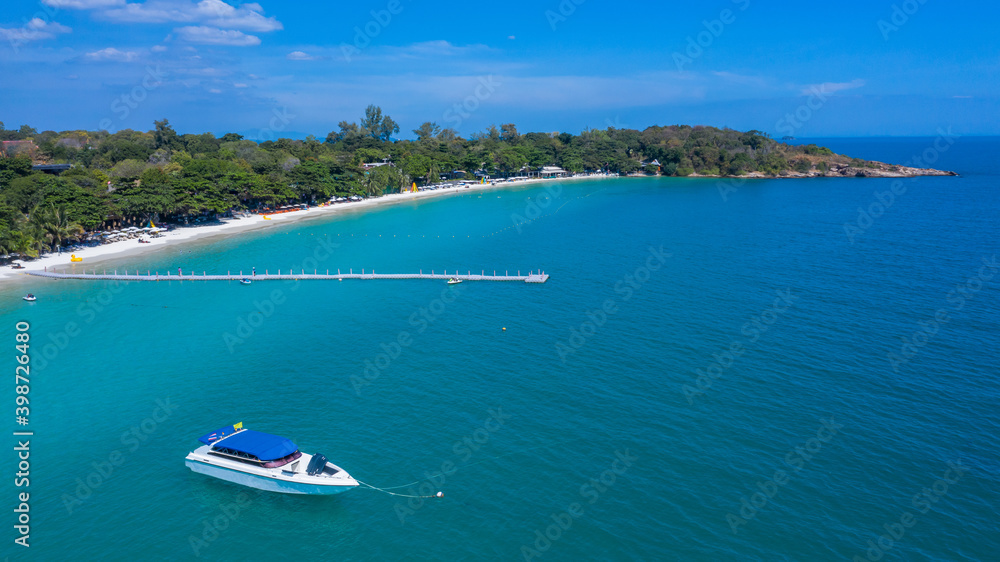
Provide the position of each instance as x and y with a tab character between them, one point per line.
509	134
377	126
54	225
10	168
427	131
165	136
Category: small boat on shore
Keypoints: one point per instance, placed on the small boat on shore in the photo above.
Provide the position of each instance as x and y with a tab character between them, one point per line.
454	281
30	297
266	462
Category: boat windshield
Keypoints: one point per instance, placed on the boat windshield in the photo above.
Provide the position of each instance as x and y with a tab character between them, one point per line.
282	461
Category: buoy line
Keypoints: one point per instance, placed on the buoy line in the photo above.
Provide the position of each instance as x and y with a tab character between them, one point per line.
385	491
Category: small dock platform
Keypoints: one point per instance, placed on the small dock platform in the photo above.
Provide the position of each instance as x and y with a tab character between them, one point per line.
531	277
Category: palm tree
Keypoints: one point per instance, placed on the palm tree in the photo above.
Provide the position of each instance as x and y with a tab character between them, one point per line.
54	226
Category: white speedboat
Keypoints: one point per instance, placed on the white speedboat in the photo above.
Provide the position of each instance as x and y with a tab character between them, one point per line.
30	297
267	462
454	281
244	281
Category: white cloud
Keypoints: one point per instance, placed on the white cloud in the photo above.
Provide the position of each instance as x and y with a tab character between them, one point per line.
240	85
248	16
83	4
299	55
215	91
113	54
215	13
38	24
215	36
438	48
158	48
832	87
34	30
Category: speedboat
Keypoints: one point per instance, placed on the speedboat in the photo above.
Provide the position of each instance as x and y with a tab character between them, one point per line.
30	297
244	281
266	462
454	281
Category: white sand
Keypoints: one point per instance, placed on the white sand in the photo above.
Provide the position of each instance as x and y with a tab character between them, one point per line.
97	254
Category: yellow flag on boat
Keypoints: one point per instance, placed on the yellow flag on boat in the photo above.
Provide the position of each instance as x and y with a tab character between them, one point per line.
238	426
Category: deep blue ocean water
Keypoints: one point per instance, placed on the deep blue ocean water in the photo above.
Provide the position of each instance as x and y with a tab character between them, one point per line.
716	370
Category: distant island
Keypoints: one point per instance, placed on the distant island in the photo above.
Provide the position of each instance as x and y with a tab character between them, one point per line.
56	186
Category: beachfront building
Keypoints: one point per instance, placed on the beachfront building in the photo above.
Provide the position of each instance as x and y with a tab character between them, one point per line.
552	172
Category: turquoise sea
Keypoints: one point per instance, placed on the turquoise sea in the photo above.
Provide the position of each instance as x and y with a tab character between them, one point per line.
716	370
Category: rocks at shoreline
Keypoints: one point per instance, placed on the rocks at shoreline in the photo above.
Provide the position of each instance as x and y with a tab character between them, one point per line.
879	170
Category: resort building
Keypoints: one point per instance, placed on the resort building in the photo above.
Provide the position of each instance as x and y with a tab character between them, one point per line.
552	172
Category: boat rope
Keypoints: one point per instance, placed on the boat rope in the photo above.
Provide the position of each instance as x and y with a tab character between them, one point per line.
385	491
441	494
522	451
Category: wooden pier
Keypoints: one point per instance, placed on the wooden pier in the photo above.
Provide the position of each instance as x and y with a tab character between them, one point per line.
531	277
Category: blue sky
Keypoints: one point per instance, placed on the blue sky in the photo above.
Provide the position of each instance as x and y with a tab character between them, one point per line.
270	68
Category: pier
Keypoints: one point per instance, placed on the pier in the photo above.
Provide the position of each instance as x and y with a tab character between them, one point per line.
531	277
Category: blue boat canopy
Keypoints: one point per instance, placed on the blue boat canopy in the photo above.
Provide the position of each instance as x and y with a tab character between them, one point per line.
210	438
264	446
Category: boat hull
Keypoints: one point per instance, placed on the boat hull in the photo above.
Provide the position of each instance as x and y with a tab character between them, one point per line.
267	483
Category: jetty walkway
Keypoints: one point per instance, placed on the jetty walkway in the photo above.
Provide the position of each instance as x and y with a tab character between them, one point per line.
531	277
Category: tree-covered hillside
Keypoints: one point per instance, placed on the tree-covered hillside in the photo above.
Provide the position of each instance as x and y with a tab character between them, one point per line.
130	177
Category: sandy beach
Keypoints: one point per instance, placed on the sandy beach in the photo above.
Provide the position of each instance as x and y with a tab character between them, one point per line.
93	256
